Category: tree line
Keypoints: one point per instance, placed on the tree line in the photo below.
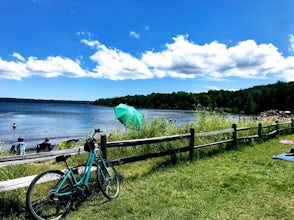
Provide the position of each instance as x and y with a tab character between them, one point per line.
246	101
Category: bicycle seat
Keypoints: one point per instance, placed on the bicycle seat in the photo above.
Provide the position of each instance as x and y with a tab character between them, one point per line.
62	157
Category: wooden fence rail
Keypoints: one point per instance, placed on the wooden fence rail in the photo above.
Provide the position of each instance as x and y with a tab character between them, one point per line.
234	133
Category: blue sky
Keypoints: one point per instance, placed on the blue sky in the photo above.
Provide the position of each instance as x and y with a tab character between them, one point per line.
90	49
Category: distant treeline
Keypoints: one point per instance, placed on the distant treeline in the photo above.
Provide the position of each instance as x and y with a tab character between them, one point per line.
44	101
249	101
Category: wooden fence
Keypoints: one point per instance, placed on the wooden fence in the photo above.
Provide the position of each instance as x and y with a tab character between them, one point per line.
234	134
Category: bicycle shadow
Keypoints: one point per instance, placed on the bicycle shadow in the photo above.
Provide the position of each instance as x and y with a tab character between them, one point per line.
94	198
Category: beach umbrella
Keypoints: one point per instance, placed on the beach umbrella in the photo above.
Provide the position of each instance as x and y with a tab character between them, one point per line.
129	116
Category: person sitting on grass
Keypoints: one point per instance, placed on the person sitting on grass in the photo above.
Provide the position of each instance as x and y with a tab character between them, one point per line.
45	146
19	147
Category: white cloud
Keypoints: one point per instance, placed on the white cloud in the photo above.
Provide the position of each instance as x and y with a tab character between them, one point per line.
93	44
50	67
179	59
54	66
288	72
134	34
186	59
18	56
13	70
84	34
291	41
117	65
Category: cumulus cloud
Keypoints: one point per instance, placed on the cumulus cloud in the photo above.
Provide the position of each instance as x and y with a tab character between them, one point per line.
288	69
50	67
179	59
117	65
54	66
13	70
185	59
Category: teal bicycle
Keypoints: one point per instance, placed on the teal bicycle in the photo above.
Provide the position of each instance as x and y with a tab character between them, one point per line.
53	193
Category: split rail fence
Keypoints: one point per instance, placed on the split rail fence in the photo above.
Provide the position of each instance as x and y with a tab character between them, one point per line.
234	134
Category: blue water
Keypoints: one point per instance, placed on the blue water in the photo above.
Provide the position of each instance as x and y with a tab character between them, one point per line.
61	121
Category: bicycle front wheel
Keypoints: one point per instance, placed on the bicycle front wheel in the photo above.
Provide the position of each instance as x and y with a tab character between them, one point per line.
42	200
108	180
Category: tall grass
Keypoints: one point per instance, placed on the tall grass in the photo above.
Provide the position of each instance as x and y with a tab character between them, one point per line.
204	121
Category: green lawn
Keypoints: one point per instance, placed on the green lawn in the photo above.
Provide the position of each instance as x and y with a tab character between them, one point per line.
244	183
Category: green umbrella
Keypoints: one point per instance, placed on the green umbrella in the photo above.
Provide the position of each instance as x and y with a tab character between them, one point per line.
129	116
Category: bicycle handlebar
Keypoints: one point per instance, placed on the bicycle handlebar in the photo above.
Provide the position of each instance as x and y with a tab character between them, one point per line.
97	131
81	139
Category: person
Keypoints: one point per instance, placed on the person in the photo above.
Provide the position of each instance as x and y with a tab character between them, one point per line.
109	137
45	146
19	147
14	126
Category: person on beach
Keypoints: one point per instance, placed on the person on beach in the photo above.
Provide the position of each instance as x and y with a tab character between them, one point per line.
45	146
109	137
19	147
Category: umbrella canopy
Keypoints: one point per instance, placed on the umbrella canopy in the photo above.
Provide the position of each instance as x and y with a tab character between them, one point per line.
129	116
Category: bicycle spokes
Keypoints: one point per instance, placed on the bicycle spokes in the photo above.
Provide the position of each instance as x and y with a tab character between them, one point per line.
43	199
108	181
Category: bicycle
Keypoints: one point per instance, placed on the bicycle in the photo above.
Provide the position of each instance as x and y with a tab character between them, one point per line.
52	194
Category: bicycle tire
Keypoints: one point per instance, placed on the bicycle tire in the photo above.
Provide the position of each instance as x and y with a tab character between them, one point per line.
40	199
108	180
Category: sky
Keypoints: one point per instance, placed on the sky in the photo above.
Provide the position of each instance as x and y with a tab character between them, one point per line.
91	49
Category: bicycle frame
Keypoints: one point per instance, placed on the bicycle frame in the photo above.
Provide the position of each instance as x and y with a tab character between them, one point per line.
86	175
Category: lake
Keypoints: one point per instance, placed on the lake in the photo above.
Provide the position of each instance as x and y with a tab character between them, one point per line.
61	121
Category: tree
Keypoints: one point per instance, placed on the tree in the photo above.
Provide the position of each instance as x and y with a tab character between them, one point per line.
250	101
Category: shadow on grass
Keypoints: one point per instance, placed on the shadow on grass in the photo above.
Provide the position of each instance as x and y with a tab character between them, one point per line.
12	209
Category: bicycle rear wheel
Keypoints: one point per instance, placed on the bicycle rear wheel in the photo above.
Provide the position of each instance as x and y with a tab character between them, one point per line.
108	180
41	199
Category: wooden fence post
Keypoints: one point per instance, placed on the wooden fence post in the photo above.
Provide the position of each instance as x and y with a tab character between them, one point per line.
234	137
103	147
259	130
277	127
192	137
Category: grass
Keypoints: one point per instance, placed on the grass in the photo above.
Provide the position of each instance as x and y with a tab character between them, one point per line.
244	183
